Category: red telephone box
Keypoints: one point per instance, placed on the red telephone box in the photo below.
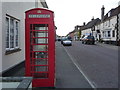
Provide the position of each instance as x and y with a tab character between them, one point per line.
40	47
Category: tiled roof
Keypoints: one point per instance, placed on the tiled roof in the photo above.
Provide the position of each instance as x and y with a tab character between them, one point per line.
112	12
91	23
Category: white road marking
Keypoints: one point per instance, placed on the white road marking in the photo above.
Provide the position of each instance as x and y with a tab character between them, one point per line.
73	60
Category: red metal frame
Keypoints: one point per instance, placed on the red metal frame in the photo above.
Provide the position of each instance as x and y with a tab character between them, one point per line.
45	78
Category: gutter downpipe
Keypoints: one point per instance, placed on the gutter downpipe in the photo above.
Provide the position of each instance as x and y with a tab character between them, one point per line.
117	32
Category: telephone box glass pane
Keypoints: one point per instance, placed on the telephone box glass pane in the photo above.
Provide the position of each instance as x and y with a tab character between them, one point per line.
40	40
40	55
40	48
41	62
41	68
40	26
41	34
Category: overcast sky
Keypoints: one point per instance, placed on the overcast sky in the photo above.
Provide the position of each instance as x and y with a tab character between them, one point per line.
69	13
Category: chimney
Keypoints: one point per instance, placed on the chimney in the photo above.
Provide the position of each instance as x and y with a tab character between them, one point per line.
92	18
102	13
83	23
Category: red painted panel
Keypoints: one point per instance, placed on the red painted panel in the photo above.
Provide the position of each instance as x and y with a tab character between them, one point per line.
40	50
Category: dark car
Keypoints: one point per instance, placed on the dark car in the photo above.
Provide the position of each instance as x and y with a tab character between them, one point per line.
88	40
58	39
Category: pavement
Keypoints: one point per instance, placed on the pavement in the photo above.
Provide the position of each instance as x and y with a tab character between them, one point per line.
108	45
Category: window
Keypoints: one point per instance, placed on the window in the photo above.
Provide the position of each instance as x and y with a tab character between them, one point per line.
109	35
113	33
106	34
12	33
16	40
7	33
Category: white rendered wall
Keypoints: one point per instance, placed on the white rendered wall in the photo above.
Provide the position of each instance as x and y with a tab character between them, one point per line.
17	10
86	31
105	26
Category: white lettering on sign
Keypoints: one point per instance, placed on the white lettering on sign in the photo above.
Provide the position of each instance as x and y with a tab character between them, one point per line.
39	16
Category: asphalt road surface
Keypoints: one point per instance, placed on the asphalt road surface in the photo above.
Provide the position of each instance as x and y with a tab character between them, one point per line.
86	66
67	74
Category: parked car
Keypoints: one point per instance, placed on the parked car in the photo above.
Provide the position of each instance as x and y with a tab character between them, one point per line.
88	40
67	42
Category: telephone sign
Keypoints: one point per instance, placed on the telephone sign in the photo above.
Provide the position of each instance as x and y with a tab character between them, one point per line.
39	16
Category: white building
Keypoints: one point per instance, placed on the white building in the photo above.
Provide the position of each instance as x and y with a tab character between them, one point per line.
12	33
89	28
108	26
105	30
97	31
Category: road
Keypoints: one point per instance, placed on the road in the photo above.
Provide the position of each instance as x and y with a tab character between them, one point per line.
88	66
67	74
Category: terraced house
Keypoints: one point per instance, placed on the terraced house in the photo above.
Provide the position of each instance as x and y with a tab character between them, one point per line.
12	33
107	29
109	26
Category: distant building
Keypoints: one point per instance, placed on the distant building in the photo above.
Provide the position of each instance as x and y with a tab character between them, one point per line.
107	29
77	32
89	28
118	3
71	34
12	33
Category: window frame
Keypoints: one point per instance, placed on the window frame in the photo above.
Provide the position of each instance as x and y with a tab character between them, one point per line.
7	43
9	34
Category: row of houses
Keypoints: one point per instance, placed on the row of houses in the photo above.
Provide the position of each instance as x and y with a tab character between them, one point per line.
106	29
12	33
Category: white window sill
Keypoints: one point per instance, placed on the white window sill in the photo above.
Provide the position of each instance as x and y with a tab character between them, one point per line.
12	51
